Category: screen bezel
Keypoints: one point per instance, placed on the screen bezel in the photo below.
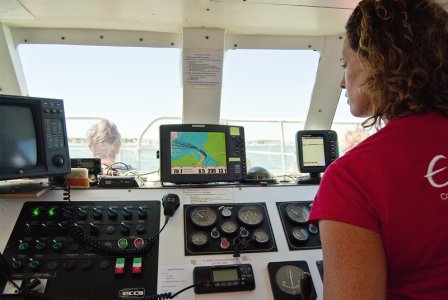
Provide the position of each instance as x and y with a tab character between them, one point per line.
328	155
43	166
165	154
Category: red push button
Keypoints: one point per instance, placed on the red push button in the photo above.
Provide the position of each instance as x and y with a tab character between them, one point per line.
139	242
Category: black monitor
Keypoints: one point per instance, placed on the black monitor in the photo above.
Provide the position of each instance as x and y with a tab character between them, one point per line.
33	138
316	150
198	153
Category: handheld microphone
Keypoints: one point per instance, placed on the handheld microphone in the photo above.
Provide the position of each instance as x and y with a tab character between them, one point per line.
170	204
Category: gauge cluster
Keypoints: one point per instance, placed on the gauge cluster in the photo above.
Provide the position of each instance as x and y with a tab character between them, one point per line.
285	280
300	234
227	228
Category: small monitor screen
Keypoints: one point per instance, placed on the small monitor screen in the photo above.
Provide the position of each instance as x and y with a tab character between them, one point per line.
18	147
198	153
225	275
313	151
201	153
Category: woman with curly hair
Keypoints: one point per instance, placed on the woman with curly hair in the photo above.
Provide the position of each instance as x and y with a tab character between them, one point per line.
382	208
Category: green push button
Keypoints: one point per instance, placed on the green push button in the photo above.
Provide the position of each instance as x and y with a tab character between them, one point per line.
122	243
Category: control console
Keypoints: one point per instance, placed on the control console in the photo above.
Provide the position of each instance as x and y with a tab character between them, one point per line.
84	249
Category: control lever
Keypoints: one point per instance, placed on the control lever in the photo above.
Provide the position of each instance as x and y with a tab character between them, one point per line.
306	286
170	204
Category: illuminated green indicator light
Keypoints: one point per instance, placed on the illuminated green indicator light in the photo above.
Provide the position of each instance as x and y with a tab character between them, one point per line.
122	243
36	212
51	212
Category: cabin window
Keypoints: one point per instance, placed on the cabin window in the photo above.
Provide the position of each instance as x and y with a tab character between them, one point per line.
268	92
130	86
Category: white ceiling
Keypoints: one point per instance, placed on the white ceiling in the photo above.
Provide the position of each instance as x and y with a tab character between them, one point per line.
284	17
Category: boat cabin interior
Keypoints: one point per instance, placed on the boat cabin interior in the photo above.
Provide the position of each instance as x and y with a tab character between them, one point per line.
226	114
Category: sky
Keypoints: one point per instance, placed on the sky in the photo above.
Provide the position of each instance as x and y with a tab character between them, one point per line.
132	86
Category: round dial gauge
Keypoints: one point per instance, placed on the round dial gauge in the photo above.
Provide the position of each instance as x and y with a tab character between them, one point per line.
313	229
203	217
199	239
299	234
261	236
226	212
287	279
297	213
250	215
229	226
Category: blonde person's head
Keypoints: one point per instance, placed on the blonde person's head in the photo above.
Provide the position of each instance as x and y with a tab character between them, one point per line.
104	141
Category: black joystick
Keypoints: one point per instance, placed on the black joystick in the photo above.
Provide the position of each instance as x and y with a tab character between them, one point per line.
170	203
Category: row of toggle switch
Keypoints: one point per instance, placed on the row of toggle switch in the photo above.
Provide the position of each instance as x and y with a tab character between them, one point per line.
112	213
95	229
56	246
85	264
97	213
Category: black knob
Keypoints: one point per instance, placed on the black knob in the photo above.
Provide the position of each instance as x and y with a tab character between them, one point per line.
142	214
140	229
82	213
112	213
97	213
16	264
40	246
43	229
23	246
56	246
28	229
125	228
33	264
58	161
94	229
61	228
127	213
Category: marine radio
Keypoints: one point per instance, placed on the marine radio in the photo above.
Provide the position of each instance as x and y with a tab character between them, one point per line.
226	278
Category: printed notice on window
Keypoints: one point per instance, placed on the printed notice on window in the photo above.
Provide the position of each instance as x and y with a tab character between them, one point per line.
202	67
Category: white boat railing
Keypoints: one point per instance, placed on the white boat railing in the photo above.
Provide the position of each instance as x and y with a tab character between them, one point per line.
283	153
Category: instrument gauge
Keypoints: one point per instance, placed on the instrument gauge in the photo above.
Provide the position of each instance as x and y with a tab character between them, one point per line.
250	215
299	234
203	217
226	212
229	226
313	229
261	236
199	239
297	213
287	279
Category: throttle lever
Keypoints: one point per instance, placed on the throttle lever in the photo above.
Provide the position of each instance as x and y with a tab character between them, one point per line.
306	286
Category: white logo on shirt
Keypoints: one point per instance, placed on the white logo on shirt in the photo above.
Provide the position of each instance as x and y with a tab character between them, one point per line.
431	172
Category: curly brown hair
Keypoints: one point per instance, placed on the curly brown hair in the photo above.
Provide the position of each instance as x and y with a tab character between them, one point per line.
404	46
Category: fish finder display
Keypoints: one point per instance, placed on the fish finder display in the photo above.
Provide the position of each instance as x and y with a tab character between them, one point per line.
198	153
316	150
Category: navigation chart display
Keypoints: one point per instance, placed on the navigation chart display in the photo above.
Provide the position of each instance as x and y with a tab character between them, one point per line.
202	153
198	153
